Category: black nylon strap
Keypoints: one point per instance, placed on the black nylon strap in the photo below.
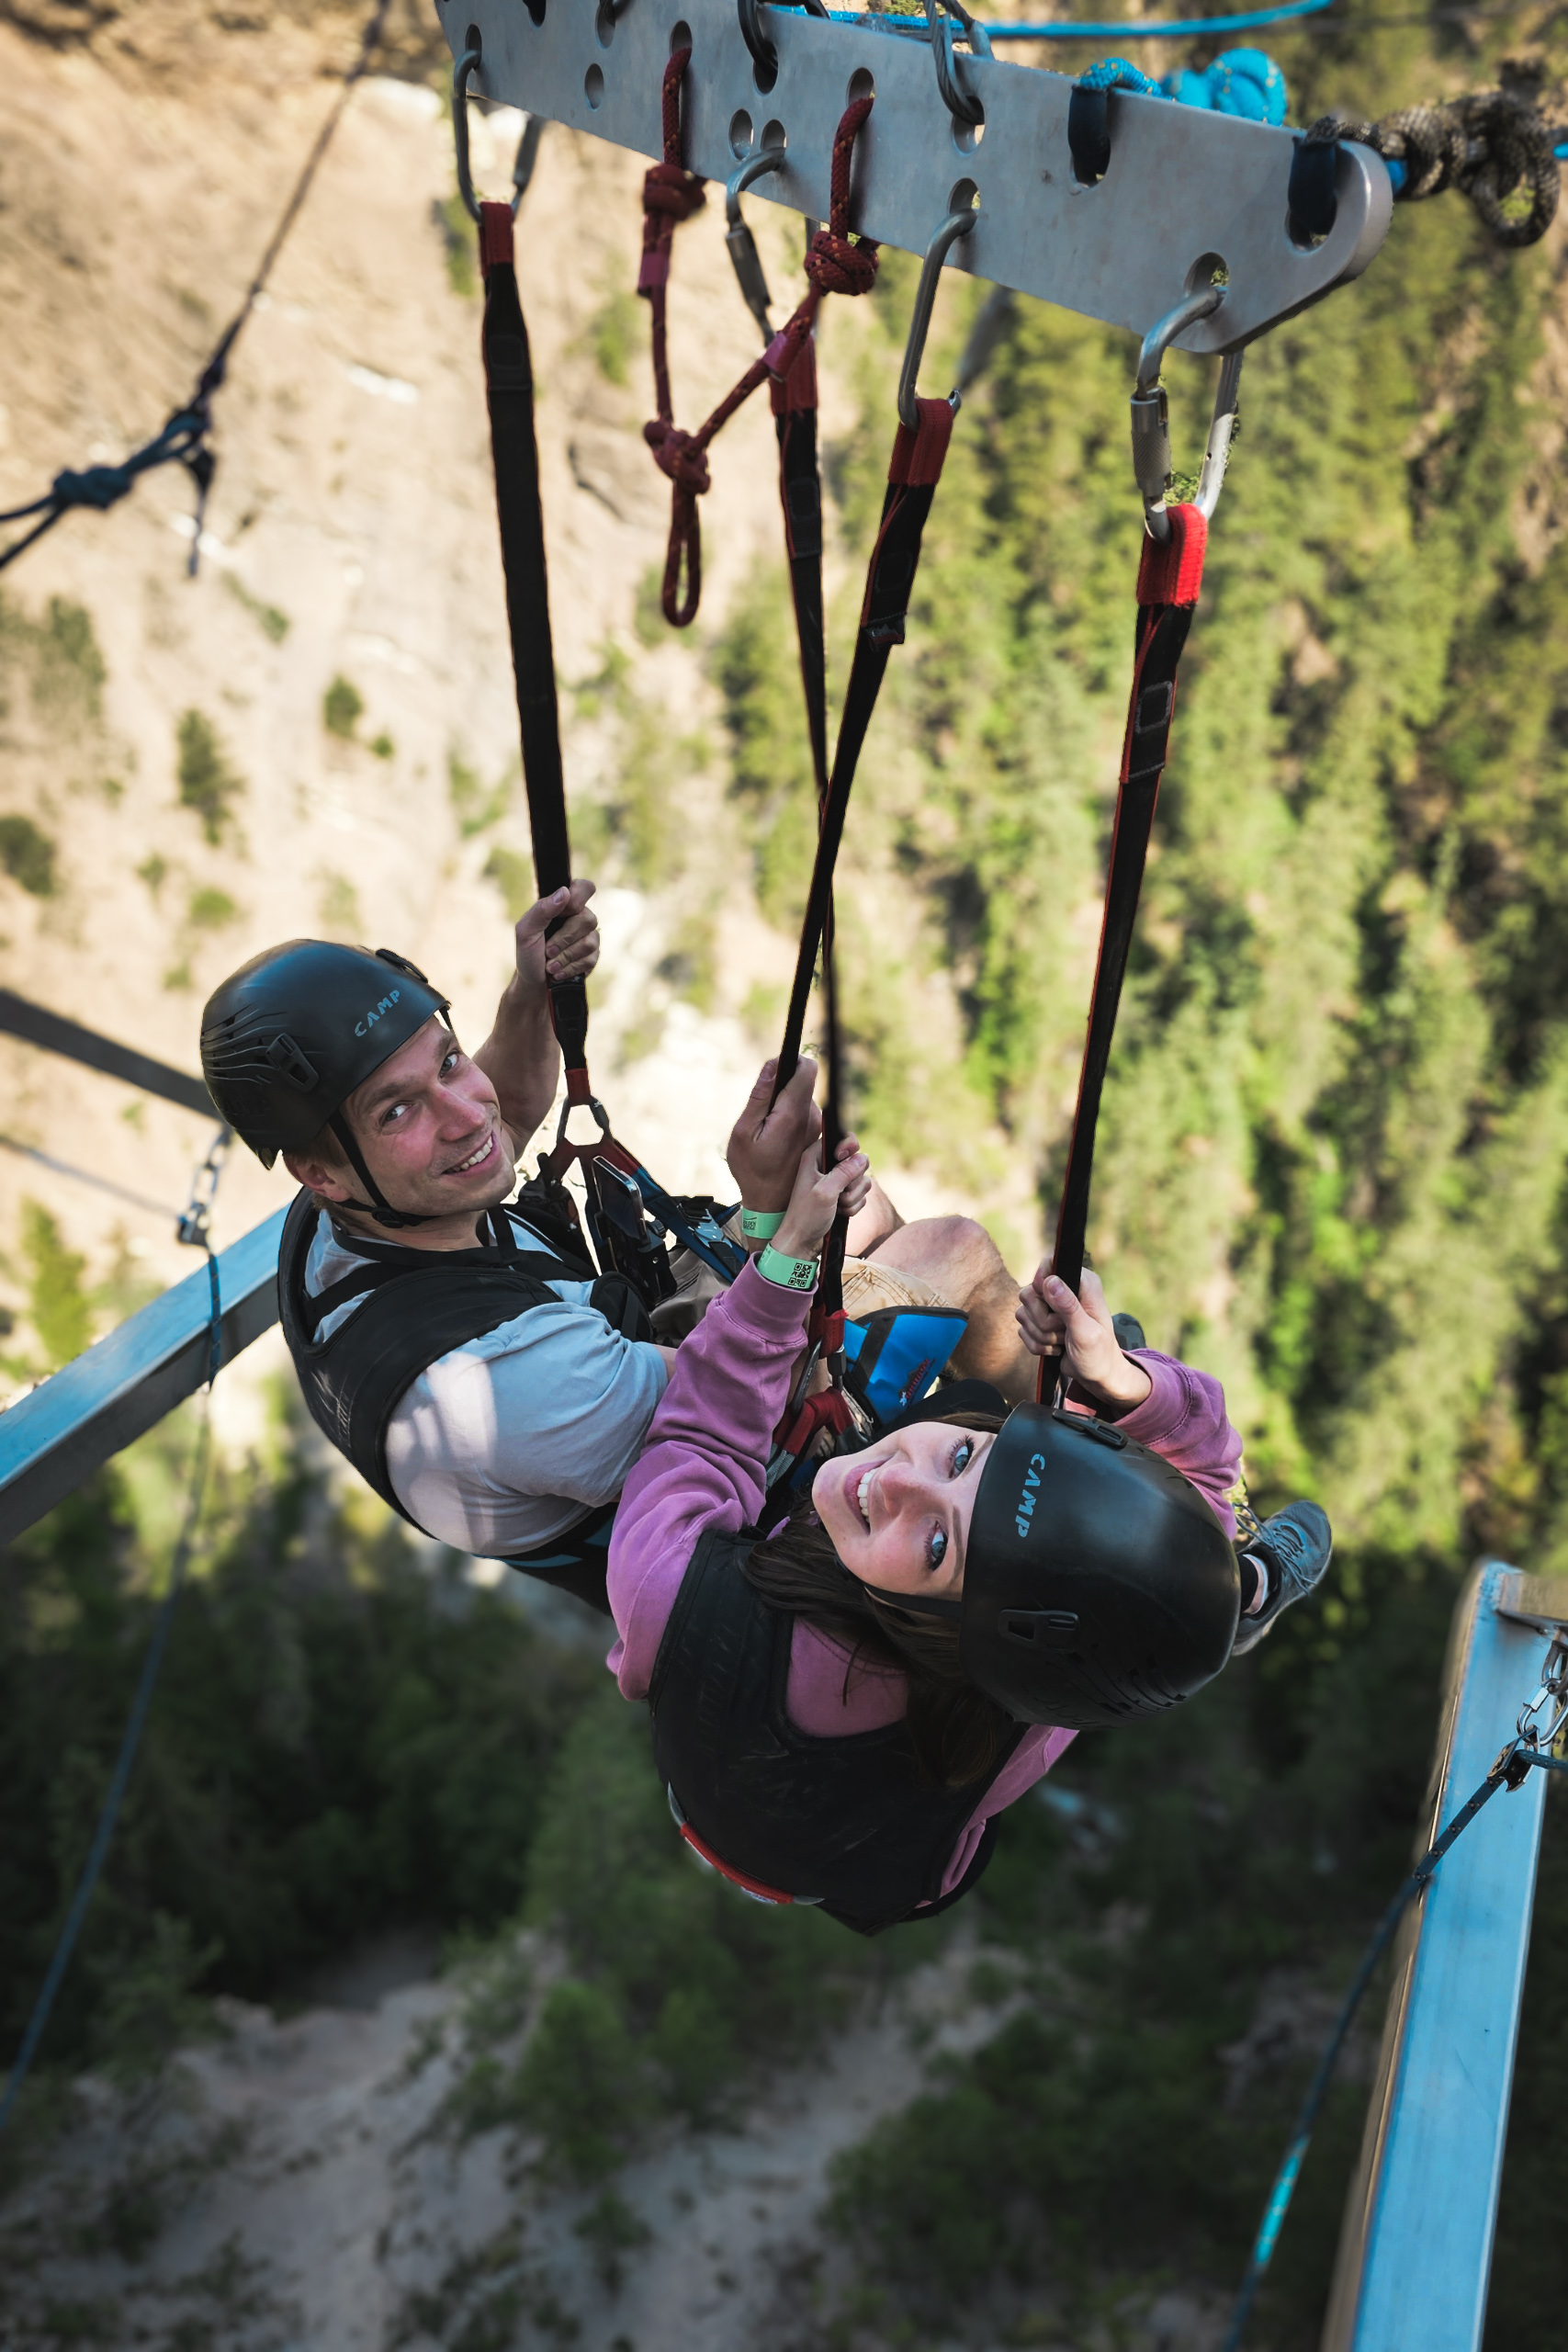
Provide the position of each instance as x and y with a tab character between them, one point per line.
895	560
508	392
800	491
30	1021
1161	634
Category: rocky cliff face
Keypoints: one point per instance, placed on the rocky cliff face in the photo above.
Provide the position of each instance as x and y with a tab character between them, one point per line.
317	733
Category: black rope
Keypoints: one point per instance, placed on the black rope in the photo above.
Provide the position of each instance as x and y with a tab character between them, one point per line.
130	1739
1491	146
183	437
1510	1770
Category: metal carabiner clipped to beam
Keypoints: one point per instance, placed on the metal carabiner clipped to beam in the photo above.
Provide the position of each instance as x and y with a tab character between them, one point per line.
1151	420
527	146
764	56
957	225
742	245
960	102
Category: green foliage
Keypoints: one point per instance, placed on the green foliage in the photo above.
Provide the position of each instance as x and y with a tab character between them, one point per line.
272	623
58	1307
209	786
476	804
512	873
642	817
343	708
210	908
27	856
337	909
69	670
678	1984
457	233
615	332
338	1745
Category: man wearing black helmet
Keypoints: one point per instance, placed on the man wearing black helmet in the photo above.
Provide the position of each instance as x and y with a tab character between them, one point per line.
471	1364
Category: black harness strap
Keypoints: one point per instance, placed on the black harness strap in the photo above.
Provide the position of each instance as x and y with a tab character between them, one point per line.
800	495
1169	577
509	391
913	473
913	477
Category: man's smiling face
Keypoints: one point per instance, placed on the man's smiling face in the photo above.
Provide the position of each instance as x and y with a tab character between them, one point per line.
429	1126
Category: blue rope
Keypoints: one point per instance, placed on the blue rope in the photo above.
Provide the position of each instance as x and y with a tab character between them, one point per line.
1141	29
131	1738
1151	28
1239	82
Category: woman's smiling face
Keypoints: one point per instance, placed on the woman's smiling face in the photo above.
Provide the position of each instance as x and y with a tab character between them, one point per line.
898	1514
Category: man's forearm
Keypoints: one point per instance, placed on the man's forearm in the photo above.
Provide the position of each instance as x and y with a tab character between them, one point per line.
522	1060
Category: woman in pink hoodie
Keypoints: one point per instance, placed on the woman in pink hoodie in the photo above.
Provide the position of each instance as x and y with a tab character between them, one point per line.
817	1717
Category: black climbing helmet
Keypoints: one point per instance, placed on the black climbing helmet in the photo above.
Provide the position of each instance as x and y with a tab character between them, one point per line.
1098	1584
289	1037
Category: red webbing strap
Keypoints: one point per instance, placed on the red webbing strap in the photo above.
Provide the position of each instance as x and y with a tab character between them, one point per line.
1169	577
509	394
833	265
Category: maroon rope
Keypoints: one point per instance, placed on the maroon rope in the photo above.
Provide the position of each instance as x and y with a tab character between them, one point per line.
833	265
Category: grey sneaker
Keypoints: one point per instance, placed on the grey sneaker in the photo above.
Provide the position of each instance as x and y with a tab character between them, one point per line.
1296	1547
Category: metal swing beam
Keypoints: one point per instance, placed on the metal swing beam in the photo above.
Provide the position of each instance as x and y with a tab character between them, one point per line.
52	1439
1189	198
1415	2249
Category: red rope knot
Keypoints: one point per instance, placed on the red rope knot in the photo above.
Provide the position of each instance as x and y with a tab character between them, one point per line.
671	188
835	266
680	455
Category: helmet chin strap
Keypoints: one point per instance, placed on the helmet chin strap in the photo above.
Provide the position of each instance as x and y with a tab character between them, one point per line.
378	1206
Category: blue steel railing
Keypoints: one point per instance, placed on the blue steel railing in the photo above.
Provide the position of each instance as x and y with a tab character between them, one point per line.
1416	2248
54	1439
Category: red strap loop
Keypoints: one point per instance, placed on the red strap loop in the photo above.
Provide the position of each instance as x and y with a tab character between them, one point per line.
1171	570
829	1409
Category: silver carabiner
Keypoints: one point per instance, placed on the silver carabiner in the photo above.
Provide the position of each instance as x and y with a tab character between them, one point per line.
957	225
527	146
742	245
1151	420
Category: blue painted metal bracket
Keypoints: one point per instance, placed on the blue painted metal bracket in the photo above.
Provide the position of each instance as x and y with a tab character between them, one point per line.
1415	2249
71	1423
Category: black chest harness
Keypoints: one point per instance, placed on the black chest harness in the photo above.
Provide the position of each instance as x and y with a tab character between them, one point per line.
851	1825
414	1306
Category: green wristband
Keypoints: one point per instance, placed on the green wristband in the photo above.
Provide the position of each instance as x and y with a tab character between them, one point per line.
790	1274
760	1225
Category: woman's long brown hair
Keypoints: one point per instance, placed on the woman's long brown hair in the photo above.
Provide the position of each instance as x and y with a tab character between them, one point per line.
956	1729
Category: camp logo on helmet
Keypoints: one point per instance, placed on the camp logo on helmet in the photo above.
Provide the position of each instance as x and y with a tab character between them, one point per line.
1031	1488
363	1028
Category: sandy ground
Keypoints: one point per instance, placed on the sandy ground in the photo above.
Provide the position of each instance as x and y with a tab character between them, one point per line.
310	2197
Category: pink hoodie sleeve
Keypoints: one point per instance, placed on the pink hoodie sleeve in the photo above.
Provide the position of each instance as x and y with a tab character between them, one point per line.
702	1467
1183	1418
